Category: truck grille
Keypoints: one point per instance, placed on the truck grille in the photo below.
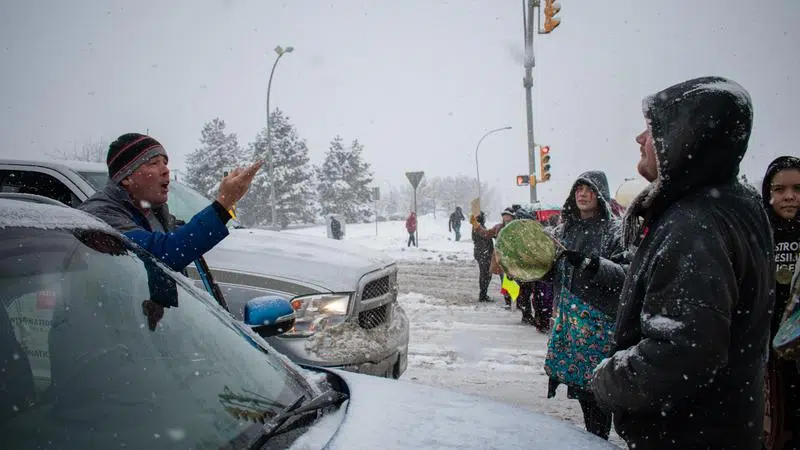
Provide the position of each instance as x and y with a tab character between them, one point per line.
376	288
372	318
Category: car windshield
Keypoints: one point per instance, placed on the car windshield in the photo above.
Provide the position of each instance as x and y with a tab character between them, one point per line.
111	350
98	180
184	202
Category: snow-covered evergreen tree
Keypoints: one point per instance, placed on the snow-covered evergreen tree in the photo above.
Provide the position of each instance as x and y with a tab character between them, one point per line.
217	151
344	180
294	182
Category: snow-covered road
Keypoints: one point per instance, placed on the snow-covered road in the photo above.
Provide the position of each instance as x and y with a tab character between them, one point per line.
475	348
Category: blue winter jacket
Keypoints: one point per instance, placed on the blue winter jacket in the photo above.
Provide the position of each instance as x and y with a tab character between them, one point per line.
179	245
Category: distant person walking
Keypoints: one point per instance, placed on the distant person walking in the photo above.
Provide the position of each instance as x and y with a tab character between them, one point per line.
455	222
411	227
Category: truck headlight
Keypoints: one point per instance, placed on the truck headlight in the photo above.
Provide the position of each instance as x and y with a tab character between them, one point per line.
316	312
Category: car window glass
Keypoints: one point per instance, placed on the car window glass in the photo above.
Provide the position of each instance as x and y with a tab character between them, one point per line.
237	296
101	335
38	183
98	180
184	202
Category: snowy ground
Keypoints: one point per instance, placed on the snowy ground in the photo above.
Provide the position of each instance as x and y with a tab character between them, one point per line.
457	343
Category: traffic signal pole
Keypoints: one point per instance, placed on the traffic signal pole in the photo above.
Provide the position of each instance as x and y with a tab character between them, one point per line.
527	82
551	8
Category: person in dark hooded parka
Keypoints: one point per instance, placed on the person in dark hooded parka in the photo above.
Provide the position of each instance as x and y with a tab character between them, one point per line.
692	328
780	191
587	283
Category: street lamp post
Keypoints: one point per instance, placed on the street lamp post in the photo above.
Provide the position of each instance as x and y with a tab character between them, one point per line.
280	51
477	147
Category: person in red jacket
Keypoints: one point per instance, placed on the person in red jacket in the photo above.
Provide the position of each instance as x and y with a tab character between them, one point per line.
411	227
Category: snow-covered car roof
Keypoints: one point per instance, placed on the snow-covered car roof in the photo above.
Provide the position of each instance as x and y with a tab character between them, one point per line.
25	214
82	166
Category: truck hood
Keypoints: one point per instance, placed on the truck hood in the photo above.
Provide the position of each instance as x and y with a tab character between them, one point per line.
332	265
392	414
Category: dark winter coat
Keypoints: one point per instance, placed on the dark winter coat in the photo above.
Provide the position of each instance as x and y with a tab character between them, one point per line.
586	308
693	324
176	246
455	220
599	236
783	378
483	245
786	234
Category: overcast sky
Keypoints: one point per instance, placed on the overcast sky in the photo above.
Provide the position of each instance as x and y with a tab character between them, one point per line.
416	81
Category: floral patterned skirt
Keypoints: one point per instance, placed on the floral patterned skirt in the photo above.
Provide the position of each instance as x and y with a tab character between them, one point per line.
580	339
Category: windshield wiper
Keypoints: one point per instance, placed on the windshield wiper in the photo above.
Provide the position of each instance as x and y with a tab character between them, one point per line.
297	408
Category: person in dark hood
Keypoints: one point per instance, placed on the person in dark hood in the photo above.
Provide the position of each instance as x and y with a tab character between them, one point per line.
587	283
135	202
780	192
454	224
692	328
484	247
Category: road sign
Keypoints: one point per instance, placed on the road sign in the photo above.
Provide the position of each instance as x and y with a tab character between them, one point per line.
376	194
414	178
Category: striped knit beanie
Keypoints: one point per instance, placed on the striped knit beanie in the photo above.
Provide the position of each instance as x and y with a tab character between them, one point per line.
129	152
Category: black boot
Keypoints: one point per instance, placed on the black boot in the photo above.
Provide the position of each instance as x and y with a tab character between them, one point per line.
527	319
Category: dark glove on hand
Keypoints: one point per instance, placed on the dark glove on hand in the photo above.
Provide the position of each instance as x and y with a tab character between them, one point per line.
577	259
573	257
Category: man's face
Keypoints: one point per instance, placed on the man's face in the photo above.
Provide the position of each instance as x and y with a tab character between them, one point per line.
149	184
785	193
506	218
586	200
648	165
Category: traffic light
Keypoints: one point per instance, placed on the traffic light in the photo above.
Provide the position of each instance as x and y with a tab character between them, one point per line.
551	8
525	180
544	163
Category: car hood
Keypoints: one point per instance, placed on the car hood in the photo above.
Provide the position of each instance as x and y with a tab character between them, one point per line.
392	414
332	265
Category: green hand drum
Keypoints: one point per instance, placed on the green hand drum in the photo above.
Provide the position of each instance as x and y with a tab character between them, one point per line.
525	251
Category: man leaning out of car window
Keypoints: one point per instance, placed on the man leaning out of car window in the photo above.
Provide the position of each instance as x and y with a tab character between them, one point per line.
135	202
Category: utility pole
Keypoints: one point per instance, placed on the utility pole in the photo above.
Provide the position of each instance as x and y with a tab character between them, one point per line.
527	82
551	8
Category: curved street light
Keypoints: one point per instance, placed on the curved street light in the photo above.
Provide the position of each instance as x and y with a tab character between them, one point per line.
280	51
477	147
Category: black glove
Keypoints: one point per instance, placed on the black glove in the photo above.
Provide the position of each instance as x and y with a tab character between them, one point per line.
573	257
578	260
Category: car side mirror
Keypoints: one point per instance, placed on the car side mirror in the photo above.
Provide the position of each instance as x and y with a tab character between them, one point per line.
269	315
